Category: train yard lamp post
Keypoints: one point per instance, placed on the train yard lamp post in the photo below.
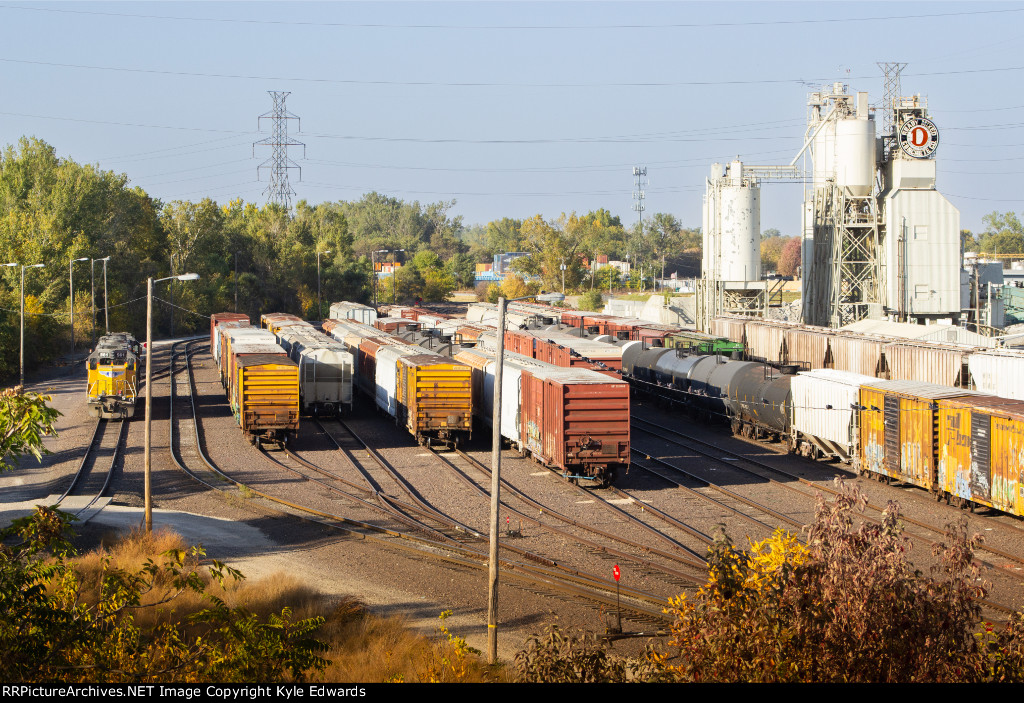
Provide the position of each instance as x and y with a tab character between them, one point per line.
21	353
106	307
92	284
492	583
319	304
149	391
373	273
71	285
394	276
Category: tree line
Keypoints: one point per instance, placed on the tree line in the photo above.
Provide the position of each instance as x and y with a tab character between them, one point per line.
255	259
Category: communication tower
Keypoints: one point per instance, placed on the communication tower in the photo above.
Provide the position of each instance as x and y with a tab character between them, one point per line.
279	190
639	183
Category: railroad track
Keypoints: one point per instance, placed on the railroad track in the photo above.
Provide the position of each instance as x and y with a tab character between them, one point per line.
763	470
636	605
91	486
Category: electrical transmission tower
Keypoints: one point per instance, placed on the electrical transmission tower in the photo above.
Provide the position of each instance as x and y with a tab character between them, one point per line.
279	191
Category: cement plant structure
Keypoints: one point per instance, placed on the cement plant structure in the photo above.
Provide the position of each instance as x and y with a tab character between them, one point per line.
878	240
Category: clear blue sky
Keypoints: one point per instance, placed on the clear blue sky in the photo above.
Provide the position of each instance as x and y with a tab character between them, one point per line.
512	109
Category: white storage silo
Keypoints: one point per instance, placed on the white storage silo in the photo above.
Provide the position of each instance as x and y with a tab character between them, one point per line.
732	226
843	147
739	227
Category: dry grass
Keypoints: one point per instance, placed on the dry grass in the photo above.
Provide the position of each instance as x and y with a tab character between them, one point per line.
364	648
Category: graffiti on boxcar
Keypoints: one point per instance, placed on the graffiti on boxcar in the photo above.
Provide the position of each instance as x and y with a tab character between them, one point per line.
911	462
1004	491
981	485
533	440
874	456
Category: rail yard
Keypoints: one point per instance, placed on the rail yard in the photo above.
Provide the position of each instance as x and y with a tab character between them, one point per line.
372	494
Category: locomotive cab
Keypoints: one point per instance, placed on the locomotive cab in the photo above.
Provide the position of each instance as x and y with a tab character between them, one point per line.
112	377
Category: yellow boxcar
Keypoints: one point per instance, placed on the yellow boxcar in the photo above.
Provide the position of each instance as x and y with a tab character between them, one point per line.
265	396
435	398
899	430
981	451
112	379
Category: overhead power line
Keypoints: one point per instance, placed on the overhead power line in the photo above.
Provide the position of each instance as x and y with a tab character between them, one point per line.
521	27
500	84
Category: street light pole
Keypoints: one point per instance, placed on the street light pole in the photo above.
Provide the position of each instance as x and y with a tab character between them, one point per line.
92	283
71	285
394	276
319	304
147	486
21	354
492	582
106	306
92	296
373	265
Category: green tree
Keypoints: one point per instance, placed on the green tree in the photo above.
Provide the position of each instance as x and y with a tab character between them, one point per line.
552	245
462	269
25	418
1004	234
591	300
663	236
504	235
50	630
771	251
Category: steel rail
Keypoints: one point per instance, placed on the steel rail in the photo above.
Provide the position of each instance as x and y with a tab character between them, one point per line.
585	588
906	518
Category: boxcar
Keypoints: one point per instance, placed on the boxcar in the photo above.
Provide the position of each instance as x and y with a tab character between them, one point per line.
577	421
265	396
436	398
221	317
981	451
899	430
353	311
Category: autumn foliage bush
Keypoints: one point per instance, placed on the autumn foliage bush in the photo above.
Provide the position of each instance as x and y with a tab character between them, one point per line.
845	605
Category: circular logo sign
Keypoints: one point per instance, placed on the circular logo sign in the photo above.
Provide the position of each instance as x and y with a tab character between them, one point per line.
919	137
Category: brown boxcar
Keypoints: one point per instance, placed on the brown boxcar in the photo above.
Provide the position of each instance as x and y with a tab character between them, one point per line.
519	342
576	421
654	335
218	340
574	318
218	317
395	325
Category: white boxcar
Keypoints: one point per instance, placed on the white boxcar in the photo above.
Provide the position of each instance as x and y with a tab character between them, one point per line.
353	311
998	373
387	375
325	378
823	414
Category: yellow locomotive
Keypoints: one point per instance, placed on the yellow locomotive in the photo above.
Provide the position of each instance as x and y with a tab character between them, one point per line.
113	376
